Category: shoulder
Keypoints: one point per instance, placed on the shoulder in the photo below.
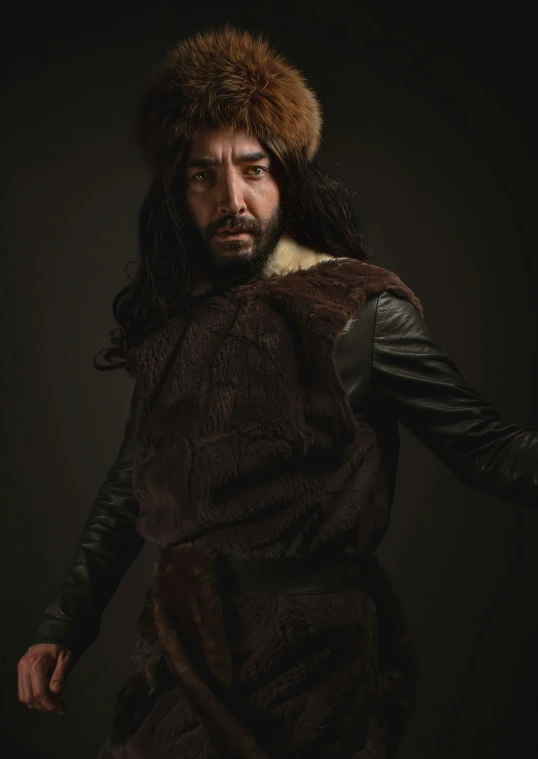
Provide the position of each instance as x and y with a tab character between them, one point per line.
391	305
398	317
385	286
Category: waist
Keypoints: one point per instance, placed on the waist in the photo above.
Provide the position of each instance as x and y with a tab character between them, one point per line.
238	576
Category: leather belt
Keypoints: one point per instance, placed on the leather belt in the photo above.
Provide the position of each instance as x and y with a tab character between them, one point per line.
238	576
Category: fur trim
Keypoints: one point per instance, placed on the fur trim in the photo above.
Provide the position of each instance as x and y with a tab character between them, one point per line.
289	255
229	78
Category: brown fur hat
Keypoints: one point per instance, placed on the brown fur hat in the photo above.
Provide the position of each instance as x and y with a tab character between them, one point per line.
226	77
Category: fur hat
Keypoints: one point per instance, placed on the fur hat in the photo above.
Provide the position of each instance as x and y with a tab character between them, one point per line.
226	78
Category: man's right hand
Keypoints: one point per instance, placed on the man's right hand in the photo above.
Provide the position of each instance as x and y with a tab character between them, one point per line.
42	673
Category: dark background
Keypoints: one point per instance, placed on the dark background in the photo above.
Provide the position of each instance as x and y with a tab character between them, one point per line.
430	120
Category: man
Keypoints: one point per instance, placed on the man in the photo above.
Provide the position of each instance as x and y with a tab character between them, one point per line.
273	363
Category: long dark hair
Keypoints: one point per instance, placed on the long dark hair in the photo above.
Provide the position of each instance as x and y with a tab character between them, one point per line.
317	213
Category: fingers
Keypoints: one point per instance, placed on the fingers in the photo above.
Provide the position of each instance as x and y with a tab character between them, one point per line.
38	707
26	689
40	686
25	685
57	681
38	689
62	669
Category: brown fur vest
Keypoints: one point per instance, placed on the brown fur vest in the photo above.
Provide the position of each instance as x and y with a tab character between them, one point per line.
247	445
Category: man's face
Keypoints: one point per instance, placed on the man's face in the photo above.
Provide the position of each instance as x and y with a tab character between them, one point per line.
231	184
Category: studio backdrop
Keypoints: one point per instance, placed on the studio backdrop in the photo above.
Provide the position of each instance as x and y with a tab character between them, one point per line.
429	121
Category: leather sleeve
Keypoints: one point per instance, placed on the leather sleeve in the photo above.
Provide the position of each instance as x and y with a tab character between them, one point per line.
107	547
425	390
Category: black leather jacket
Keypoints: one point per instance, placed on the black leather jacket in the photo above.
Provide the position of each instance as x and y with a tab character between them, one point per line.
393	372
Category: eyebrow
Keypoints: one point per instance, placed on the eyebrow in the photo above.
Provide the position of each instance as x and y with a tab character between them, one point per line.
243	158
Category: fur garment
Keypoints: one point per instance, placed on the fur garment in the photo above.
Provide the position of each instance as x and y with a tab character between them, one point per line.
247	446
230	78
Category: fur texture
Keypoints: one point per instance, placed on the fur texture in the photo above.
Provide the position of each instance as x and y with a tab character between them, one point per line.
247	446
229	78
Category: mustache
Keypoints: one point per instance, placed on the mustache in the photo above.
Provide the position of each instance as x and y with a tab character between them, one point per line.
244	225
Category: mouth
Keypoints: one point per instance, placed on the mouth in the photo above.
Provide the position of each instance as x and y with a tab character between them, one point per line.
231	235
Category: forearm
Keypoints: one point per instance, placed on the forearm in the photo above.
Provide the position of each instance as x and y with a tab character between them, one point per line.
108	546
484	451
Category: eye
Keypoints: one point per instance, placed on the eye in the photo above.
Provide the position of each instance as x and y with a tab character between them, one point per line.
262	169
199	174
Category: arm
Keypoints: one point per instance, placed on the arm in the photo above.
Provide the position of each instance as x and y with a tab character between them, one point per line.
107	547
422	386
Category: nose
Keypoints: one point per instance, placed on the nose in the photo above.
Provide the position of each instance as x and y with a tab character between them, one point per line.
231	200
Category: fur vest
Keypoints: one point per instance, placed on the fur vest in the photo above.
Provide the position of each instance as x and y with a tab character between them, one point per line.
247	445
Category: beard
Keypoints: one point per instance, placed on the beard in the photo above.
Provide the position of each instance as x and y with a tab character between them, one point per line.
232	260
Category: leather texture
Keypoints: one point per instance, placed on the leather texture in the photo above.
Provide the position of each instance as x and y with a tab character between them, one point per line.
108	545
238	575
420	385
392	371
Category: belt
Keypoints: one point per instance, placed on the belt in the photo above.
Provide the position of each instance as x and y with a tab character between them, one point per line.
238	576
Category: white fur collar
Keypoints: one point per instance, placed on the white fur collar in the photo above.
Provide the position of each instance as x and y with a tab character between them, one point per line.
288	256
